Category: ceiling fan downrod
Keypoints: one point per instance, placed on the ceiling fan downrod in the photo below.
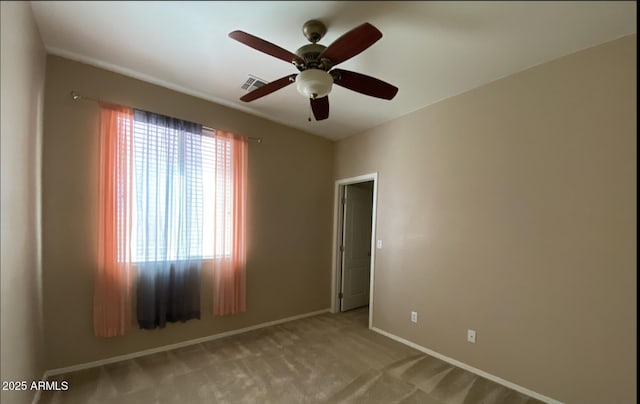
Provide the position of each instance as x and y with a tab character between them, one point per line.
309	54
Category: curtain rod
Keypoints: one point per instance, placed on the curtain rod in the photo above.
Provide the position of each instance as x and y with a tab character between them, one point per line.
75	96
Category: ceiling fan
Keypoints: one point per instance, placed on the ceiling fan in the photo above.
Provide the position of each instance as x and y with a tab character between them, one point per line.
315	63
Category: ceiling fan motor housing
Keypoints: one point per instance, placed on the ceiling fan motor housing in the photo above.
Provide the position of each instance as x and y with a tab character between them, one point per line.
310	55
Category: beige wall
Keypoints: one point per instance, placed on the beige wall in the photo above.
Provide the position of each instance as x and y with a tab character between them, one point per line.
511	210
289	214
22	83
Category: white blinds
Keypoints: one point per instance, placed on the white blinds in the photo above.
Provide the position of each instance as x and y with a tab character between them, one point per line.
181	190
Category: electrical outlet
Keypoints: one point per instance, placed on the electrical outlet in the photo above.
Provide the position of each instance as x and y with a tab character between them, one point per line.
414	316
471	336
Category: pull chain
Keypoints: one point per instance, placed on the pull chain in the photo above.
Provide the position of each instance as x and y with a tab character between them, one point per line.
309	118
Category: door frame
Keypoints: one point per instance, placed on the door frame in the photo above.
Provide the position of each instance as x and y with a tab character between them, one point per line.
337	229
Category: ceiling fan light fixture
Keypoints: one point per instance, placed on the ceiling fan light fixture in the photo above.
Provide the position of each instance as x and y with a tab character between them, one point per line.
314	83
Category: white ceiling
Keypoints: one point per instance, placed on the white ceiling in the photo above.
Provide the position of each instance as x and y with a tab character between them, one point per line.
430	50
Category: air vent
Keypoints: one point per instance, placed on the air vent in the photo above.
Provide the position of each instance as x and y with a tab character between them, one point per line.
252	83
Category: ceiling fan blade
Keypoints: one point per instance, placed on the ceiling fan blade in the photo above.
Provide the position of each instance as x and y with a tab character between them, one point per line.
320	107
264	46
269	88
351	43
364	84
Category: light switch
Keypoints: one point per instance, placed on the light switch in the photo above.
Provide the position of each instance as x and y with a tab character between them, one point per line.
379	244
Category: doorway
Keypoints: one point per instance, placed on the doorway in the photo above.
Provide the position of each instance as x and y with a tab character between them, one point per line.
354	230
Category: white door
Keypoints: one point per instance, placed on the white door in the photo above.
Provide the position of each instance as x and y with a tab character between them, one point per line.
356	243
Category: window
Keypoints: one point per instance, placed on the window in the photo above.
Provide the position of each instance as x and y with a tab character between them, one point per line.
181	191
170	194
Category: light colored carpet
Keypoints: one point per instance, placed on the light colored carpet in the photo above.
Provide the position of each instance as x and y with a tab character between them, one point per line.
330	358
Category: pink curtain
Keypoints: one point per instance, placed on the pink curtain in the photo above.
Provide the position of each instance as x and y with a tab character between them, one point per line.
112	288
229	271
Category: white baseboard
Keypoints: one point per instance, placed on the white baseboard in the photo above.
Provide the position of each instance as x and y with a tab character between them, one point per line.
469	368
119	358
